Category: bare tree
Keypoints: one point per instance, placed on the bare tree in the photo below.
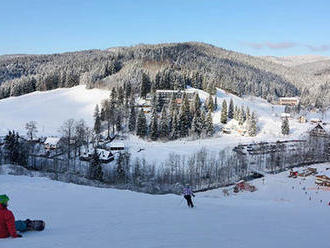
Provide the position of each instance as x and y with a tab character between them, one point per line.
31	128
67	131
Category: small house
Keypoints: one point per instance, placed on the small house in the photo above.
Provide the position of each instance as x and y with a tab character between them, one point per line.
319	131
315	121
291	101
51	143
117	146
322	180
104	155
285	115
302	119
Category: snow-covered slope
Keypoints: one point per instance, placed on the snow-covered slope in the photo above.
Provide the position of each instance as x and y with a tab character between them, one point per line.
49	109
279	214
292	61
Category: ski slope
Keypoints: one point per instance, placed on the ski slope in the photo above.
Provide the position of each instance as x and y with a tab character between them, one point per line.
278	214
49	109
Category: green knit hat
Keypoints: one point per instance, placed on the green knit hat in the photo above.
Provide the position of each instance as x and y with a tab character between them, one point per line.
4	199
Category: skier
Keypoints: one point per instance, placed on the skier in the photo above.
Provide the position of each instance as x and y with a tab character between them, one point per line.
187	193
7	220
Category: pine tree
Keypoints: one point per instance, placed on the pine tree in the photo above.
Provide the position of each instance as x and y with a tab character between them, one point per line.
241	117
154	135
97	123
184	117
195	125
95	168
209	124
141	124
285	126
132	119
202	123
196	105
173	104
247	114
163	125
121	97
215	103
210	103
236	113
223	118
231	109
252	125
145	85
113	96
175	132
120	171
118	122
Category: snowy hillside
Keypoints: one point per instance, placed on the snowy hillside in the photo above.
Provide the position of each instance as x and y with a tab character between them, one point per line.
49	109
292	61
269	129
278	214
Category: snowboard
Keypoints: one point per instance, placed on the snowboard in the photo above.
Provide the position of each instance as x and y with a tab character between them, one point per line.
35	225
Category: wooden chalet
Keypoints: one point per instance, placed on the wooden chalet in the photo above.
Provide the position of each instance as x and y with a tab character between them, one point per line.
319	131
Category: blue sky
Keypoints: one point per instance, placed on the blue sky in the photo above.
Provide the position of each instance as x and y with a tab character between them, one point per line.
256	27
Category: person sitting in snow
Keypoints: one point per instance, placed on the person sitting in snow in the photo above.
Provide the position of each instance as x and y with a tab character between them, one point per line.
8	226
187	193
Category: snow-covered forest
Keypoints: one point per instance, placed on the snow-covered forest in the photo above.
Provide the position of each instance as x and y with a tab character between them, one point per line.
200	65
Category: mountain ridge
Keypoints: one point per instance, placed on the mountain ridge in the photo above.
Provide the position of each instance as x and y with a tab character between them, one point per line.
241	73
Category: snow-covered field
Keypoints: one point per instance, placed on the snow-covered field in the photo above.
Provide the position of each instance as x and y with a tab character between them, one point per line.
49	109
278	214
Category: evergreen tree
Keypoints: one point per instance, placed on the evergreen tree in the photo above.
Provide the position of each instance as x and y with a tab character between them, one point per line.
118	122
196	105
184	117
202	123
236	113
247	114
231	109
241	116
223	118
121	96
132	119
285	126
163	125
175	132
97	123
210	103
252	125
154	135
141	124
95	168
209	124
120	170
173	105
128	90
113	95
145	85
195	125
215	103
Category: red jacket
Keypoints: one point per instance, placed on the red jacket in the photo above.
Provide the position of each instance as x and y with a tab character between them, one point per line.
7	223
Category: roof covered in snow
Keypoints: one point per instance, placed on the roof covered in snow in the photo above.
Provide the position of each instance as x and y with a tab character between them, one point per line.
52	140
